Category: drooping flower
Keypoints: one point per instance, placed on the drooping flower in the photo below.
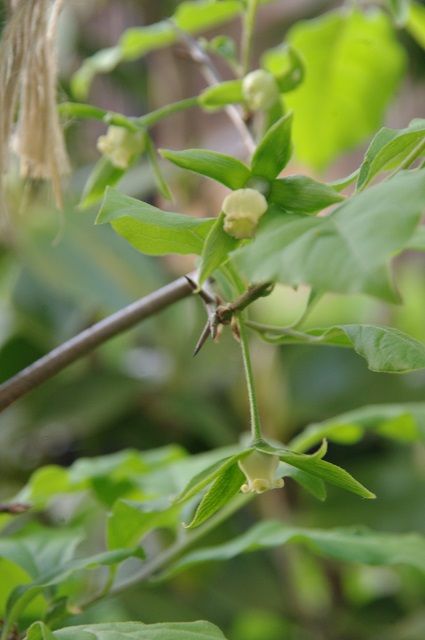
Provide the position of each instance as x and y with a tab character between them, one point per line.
260	472
242	210
260	90
121	146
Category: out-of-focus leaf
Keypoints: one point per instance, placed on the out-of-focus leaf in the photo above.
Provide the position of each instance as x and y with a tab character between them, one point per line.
389	148
225	169
400	10
417	241
301	194
219	95
416	22
347	545
405	422
345	252
274	150
286	65
384	348
217	247
129	631
353	64
129	521
151	230
104	174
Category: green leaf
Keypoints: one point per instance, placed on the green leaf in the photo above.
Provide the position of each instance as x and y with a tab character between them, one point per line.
319	468
417	241
384	348
225	169
104	174
102	61
390	147
359	545
300	194
416	23
353	65
151	230
220	95
346	252
286	65
400	10
217	247
207	476
161	183
274	150
205	14
404	422
310	483
131	631
227	484
130	521
39	631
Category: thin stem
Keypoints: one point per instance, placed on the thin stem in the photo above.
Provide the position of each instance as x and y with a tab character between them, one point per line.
163	112
247	35
83	343
249	377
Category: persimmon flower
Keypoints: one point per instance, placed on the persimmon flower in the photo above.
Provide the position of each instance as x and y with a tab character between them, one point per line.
242	210
260	471
260	90
121	146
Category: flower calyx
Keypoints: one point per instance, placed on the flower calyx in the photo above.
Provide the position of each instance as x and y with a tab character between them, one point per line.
242	210
260	472
121	146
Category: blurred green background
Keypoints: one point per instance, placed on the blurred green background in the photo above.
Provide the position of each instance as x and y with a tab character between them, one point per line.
144	389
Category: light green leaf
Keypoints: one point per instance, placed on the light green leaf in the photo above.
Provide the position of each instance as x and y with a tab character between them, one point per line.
319	468
217	247
151	230
384	348
300	194
359	545
286	65
400	10
205	14
353	65
227	484
132	631
405	422
225	169
161	182
104	174
345	252
416	22
274	150
130	521
138	41
102	61
389	148
310	483
417	241
220	95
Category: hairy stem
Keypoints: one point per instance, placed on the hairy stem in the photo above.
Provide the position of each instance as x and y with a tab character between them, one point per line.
249	377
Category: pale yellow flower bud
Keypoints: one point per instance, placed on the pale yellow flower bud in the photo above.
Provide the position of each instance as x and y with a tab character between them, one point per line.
242	210
121	146
260	90
260	471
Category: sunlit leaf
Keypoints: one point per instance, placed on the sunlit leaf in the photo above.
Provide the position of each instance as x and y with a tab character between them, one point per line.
225	169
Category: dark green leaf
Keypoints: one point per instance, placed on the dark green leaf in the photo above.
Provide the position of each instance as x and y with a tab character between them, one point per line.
225	169
359	545
104	174
300	194
274	150
227	484
217	247
151	230
310	483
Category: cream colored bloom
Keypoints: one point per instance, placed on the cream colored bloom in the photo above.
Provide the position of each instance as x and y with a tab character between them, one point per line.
121	146
242	210
260	471
260	90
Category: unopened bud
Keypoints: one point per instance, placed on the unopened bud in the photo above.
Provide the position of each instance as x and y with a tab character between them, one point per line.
260	90
242	210
121	146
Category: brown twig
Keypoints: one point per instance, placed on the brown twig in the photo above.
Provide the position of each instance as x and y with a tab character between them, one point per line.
80	345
